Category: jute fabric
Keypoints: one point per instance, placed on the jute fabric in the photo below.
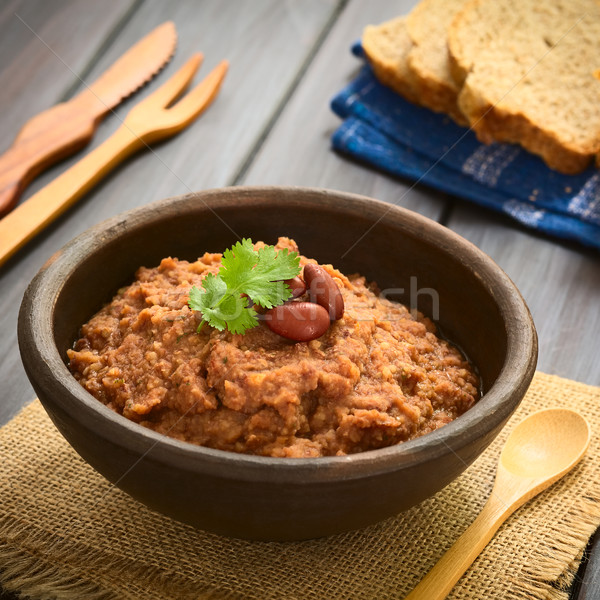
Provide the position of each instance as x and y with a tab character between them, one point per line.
66	533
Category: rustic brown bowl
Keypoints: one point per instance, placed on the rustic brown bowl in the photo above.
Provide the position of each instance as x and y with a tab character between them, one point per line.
273	498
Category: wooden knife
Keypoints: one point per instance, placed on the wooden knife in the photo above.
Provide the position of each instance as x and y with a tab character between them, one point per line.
67	127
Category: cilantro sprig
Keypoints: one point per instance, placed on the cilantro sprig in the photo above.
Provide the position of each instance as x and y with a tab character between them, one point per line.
258	274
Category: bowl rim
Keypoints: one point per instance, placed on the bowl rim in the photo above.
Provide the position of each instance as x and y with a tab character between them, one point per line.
39	346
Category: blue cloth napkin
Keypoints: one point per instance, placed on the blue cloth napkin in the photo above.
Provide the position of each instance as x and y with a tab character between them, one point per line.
385	131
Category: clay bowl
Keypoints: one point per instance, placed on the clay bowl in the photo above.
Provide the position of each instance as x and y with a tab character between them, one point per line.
268	498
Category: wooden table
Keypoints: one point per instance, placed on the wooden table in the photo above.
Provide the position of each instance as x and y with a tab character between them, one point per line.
270	125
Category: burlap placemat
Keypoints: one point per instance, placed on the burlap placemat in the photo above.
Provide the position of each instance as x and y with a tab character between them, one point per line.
66	533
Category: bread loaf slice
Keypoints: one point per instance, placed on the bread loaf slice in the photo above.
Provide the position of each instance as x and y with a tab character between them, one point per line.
527	73
386	47
428	59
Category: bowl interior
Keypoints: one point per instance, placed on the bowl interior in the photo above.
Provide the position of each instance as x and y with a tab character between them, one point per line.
411	259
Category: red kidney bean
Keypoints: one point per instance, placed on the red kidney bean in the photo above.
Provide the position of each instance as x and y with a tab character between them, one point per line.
297	286
298	321
323	290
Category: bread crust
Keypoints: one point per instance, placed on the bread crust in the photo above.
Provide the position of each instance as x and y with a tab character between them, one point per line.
458	63
386	47
491	124
428	58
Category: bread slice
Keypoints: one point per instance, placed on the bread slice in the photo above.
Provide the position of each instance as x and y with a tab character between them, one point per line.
387	46
428	58
527	69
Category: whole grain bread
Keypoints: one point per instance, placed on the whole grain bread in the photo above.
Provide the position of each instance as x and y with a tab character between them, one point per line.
386	47
428	60
527	74
519	71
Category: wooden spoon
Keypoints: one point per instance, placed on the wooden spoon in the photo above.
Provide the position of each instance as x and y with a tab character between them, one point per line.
538	452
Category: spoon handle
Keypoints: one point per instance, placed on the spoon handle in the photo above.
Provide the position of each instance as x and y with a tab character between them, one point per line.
437	584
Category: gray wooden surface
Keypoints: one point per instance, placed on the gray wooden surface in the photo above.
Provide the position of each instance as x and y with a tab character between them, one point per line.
270	125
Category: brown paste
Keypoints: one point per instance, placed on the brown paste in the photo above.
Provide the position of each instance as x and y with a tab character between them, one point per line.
377	377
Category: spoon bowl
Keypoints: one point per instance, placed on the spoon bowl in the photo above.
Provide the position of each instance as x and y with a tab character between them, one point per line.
546	444
538	452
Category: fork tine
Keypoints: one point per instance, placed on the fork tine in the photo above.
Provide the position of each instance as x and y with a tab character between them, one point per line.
177	84
194	102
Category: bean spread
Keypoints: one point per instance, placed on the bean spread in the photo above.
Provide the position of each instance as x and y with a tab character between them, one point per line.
377	376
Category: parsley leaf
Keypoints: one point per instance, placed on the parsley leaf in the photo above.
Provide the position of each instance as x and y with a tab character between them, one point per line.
258	274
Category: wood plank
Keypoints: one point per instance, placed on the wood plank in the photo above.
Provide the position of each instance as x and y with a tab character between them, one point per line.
297	150
42	45
560	283
590	584
266	41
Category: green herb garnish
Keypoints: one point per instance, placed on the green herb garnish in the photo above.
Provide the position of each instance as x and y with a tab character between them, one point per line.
258	274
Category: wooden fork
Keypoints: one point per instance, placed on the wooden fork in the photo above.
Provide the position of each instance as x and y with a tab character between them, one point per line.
146	123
